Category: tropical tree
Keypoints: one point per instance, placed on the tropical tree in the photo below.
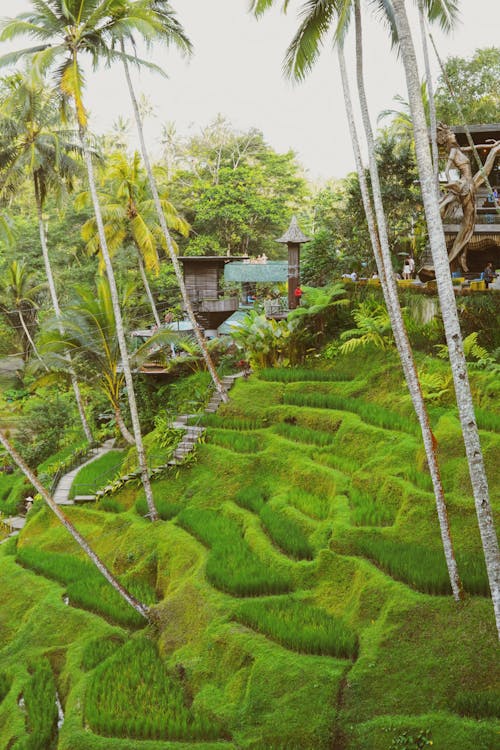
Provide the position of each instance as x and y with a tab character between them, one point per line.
158	22
318	18
64	31
449	313
32	143
19	305
88	332
130	215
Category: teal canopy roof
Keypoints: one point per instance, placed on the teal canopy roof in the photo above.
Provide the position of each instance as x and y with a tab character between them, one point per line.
272	270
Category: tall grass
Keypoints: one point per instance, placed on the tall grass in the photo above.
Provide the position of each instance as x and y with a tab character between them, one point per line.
97	474
314	506
86	587
369	412
133	694
98	650
487	420
12	491
423	568
299	626
300	375
301	434
236	440
367	511
166	509
5	683
284	532
232	423
41	709
231	566
483	704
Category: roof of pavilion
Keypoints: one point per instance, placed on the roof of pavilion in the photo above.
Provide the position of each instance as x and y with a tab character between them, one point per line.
272	270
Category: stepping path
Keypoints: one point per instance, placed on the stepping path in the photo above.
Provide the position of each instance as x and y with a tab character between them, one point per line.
61	493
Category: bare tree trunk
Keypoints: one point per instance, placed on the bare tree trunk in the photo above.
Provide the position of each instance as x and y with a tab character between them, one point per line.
120	333
382	252
148	289
142	609
171	251
430	95
57	310
449	312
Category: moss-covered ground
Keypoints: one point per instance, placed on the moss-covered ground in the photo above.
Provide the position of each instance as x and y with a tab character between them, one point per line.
340	633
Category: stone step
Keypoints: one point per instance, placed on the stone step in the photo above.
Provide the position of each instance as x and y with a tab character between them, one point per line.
84	498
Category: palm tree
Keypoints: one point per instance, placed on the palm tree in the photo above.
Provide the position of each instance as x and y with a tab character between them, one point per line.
89	334
31	142
139	607
19	306
318	18
161	24
64	32
449	312
129	213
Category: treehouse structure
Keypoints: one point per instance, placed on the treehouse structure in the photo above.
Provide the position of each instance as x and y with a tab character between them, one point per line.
203	277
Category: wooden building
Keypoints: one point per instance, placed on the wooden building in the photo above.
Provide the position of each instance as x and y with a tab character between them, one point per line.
203	277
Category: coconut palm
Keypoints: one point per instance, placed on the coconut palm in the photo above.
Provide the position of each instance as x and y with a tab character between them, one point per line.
19	304
89	334
64	32
32	143
129	214
161	25
139	607
449	312
319	19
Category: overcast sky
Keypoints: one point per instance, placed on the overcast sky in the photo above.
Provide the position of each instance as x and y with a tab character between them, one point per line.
236	71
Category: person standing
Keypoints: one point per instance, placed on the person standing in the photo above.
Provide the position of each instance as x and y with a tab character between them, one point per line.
489	274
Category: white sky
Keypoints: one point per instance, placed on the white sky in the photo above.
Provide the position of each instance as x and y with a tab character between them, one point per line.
236	71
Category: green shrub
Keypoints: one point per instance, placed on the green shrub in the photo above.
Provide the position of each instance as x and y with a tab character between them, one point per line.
86	587
99	650
232	567
299	626
481	704
132	694
369	412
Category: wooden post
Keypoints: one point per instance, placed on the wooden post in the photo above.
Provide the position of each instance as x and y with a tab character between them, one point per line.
293	274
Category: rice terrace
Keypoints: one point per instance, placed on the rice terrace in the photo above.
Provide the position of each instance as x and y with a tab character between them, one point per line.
249	414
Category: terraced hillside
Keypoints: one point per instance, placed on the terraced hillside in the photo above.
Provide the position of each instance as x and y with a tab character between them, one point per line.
299	591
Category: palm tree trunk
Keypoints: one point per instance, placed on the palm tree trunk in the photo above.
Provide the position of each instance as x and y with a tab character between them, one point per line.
171	251
148	289
127	436
57	310
120	333
449	312
29	337
430	95
382	250
142	609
